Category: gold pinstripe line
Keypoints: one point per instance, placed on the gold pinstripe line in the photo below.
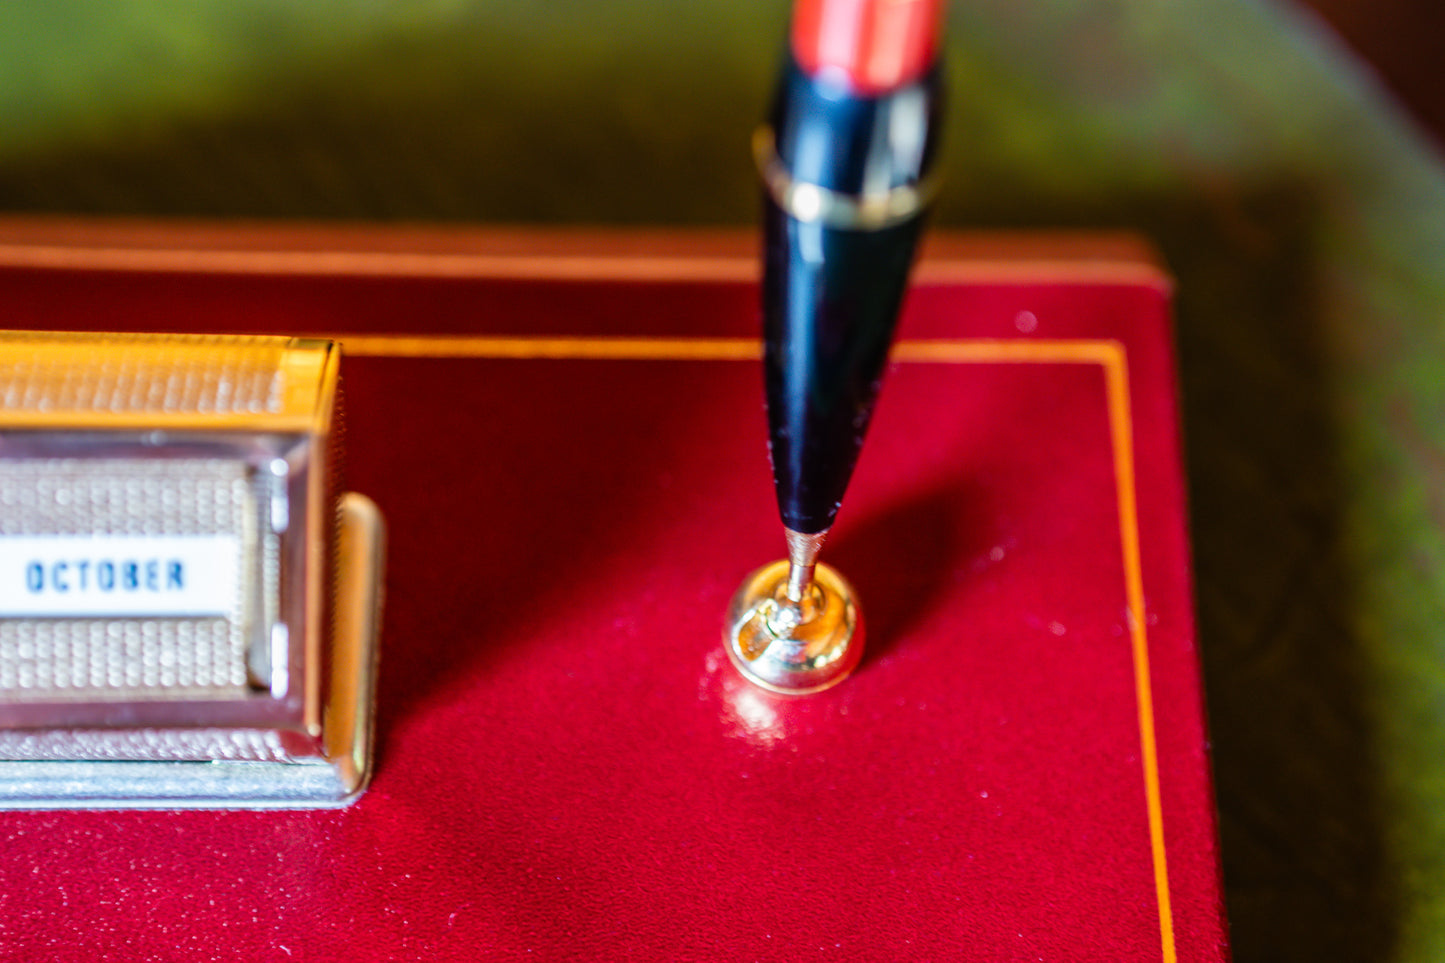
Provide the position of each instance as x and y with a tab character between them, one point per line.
552	267
1109	355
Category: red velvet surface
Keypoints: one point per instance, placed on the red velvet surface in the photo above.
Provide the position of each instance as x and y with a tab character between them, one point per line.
568	766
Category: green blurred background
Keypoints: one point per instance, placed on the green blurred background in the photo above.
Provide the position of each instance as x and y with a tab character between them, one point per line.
1302	212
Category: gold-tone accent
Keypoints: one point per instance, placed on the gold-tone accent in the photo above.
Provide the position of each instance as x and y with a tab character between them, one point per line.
553	349
813	203
1025	268
63	380
954	351
315	375
1121	431
361	553
803	552
794	647
310	369
305	263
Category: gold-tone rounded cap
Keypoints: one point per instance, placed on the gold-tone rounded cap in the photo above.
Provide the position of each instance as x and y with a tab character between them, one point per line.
789	647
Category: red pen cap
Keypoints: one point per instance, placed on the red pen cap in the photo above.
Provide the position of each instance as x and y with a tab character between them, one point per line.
872	46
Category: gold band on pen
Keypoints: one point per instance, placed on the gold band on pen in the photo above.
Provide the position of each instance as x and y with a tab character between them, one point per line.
812	203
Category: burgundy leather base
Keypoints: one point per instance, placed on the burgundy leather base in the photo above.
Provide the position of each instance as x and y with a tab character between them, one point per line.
569	767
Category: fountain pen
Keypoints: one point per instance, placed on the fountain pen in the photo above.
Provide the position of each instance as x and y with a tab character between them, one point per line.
846	159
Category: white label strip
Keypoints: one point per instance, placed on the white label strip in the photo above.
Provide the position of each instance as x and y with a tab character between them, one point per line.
85	576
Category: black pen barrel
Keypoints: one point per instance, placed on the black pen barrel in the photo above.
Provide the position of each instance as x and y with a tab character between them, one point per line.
843	215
